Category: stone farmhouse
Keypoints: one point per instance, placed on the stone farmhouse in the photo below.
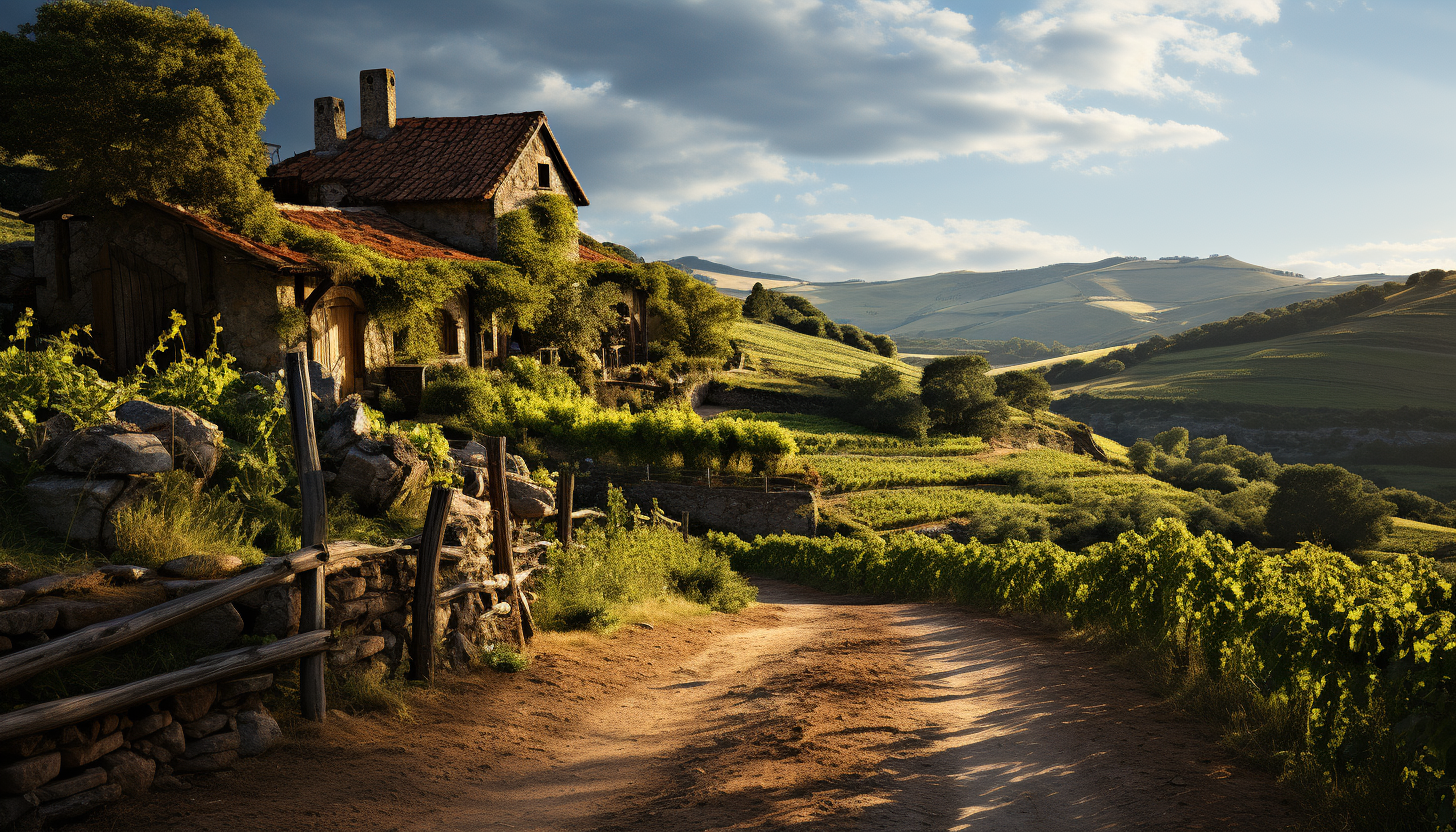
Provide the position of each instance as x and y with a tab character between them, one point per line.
405	187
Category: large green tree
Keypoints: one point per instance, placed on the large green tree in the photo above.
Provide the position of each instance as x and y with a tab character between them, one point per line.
1326	504
961	397
129	101
1024	389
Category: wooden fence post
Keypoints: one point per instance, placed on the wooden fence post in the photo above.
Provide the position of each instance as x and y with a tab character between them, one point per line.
565	493
315	527
501	537
685	526
427	568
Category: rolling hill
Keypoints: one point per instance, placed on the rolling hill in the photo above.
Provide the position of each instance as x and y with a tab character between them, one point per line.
1112	301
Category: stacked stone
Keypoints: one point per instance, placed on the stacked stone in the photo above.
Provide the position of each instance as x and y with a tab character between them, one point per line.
68	772
94	474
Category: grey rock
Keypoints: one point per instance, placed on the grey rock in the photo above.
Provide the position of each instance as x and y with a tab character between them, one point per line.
213	744
278	616
12	575
111	450
73	507
516	465
132	772
83	803
53	434
351	423
377	472
469	524
30	773
75	613
27	746
368	607
12	809
341	588
355	649
78	756
191	705
461	651
529	500
88	779
192	441
148	725
216	628
28	619
221	761
48	585
257	732
195	566
124	574
170	739
248	684
202	727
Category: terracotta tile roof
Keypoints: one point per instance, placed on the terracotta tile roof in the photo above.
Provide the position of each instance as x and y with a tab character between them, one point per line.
275	256
592	255
430	159
378	231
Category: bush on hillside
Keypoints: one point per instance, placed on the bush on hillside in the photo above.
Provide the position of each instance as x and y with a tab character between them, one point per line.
1328	505
1024	390
880	400
961	398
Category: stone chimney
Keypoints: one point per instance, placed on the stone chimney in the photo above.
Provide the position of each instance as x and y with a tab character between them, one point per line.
329	131
376	102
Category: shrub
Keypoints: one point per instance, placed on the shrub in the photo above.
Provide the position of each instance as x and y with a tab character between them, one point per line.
961	398
1024	390
178	520
1328	505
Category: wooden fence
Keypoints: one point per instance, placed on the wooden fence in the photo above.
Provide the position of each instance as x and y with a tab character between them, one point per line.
308	566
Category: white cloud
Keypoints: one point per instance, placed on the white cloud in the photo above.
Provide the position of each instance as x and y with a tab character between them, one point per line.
666	102
844	246
812	197
1397	259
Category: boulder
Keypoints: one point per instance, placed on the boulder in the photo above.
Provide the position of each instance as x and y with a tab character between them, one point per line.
11	597
377	472
529	500
202	566
216	628
194	443
132	772
80	755
221	761
170	739
355	649
30	773
213	744
31	618
148	725
73	507
53	434
123	574
88	779
209	724
12	575
469	524
75	613
279	613
351	423
234	688
257	732
112	450
341	588
49	585
190	705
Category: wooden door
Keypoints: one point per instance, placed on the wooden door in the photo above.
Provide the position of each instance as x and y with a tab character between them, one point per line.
143	296
339	341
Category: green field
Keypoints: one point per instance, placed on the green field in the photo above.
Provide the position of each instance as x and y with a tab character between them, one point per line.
1439	483
1403	353
790	362
1415	538
899	508
15	231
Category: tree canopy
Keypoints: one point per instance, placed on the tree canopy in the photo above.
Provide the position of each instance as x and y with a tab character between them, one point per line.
961	398
1326	504
129	101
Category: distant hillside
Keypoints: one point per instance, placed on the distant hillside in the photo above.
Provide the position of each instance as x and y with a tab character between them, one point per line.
730	281
1402	353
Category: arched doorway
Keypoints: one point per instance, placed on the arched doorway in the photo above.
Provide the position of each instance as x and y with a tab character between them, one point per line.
337	331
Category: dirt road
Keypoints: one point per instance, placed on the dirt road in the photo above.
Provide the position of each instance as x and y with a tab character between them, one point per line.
807	711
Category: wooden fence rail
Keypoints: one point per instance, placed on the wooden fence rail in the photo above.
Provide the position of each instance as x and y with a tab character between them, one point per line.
75	709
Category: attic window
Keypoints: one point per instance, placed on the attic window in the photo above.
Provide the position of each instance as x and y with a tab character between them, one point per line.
543	175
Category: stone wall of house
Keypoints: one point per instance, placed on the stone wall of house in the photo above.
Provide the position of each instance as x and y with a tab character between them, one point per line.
54	311
250	298
521	183
17	277
468	226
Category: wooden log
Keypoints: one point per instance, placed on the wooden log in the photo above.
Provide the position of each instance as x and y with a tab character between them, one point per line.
504	561
427	568
108	635
315	527
471	586
75	709
588	514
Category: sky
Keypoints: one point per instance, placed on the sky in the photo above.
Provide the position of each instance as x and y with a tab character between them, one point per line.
883	139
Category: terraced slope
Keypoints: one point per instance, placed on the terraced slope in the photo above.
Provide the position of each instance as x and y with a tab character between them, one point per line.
791	362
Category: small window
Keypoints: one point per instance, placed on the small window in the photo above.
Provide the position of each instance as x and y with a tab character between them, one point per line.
543	175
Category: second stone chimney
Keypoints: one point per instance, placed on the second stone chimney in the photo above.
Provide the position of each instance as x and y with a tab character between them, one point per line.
329	131
376	102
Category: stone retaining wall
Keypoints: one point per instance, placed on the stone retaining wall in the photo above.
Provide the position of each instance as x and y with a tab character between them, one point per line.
743	512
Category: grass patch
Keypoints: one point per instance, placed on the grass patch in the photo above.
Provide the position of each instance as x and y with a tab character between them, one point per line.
792	362
998	516
845	472
15	231
369	689
591	588
504	659
177	520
